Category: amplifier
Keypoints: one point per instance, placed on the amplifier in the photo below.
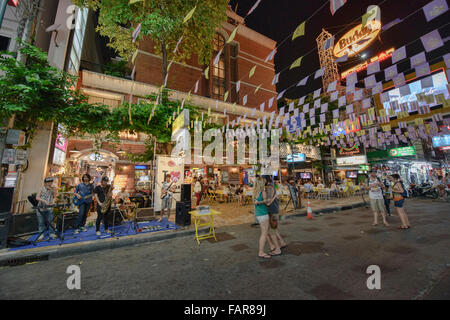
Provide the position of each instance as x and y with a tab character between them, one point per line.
185	193
69	221
117	218
23	224
5	218
182	216
6	194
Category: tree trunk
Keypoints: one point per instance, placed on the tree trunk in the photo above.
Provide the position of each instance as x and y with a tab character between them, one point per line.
164	61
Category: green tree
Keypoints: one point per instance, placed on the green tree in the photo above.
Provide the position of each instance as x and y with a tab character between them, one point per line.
162	21
34	91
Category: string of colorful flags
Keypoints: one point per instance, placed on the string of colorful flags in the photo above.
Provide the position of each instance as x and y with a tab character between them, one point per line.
334	6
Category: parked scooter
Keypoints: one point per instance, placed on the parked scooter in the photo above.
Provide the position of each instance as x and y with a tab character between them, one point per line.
426	190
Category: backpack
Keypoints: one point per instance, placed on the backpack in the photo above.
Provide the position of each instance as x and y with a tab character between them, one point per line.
404	194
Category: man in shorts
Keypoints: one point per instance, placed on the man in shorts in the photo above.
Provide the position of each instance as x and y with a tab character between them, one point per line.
376	199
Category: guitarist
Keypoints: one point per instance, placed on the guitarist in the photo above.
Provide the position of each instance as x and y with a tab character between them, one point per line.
46	198
166	196
83	199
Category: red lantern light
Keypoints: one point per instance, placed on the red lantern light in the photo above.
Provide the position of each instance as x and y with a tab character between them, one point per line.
13	3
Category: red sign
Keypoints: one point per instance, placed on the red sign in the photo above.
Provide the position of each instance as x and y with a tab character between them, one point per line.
13	3
354	126
363	66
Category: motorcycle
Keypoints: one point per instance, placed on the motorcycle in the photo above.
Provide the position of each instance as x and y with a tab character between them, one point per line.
427	190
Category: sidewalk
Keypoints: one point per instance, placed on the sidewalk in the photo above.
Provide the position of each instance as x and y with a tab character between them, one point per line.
232	214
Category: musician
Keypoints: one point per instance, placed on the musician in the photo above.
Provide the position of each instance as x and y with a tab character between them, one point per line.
46	197
102	195
166	192
123	196
84	192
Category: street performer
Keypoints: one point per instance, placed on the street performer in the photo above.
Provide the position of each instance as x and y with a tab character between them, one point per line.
103	196
84	193
46	198
166	197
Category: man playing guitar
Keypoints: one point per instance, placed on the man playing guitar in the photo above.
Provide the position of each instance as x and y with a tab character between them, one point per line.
166	196
46	199
83	198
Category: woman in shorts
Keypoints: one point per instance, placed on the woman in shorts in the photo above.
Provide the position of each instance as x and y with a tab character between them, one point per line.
261	215
398	191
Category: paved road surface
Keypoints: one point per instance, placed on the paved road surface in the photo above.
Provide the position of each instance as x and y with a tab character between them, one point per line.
326	258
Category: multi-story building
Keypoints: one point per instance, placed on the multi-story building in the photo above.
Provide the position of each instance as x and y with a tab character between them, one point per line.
249	48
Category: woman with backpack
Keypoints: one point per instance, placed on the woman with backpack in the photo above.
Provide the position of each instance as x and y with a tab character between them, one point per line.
399	195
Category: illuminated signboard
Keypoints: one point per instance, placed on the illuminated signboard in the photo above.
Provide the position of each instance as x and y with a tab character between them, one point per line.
343	151
363	66
351	160
298	157
354	126
357	39
443	141
402	152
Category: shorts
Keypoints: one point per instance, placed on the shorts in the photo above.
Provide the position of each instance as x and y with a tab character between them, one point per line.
399	204
165	203
377	205
263	218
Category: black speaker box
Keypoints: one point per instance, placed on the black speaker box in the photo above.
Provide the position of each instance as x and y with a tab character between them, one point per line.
5	218
185	193
23	224
182	216
70	220
117	218
6	196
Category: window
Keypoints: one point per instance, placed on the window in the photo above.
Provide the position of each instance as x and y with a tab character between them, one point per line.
218	71
4	43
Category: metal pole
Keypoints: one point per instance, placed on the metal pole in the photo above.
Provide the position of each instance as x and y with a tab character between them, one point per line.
3	4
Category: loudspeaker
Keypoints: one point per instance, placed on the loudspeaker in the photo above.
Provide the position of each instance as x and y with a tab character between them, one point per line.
23	224
6	194
185	193
69	221
182	216
5	218
117	219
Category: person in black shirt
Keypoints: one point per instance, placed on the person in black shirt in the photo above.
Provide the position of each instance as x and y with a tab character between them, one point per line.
101	193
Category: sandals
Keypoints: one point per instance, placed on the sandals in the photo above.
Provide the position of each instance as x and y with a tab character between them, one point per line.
265	256
275	254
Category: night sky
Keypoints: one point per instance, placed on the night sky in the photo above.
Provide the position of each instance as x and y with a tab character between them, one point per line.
277	19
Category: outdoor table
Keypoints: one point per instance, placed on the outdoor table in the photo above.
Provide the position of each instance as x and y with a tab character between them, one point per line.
197	216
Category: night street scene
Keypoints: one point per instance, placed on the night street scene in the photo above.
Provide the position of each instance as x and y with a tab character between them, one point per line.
224	159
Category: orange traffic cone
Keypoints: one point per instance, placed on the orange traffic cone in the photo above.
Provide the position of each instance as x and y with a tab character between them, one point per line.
309	211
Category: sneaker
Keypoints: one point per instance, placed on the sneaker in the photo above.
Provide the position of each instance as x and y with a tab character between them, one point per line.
83	229
76	231
98	233
53	236
108	231
40	237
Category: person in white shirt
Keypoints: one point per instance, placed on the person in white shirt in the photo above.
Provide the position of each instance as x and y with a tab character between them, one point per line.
375	187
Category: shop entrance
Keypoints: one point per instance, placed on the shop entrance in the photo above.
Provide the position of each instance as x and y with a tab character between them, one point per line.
96	163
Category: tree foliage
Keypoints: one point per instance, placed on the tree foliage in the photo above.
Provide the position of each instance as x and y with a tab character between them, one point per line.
162	21
36	92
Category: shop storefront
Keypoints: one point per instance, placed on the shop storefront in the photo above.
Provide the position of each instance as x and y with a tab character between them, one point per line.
353	168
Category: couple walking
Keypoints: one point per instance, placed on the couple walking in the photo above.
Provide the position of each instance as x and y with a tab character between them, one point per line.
267	215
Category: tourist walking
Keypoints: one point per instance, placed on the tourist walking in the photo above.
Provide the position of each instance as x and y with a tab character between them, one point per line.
262	215
197	190
376	198
276	242
399	195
